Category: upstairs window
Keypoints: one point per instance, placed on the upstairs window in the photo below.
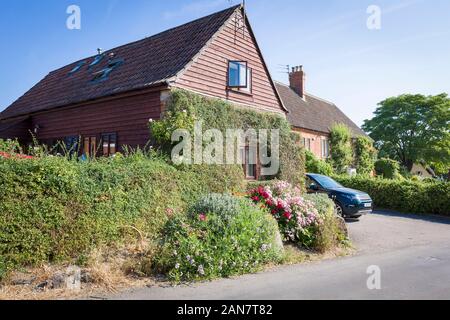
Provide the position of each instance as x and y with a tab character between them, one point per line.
109	143
238	74
325	145
307	143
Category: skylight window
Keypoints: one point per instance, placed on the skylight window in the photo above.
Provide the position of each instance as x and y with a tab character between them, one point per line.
104	73
77	67
97	60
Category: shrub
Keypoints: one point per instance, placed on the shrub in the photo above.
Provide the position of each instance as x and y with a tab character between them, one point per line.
404	195
387	168
184	108
206	244
365	154
314	165
333	231
301	220
341	147
57	210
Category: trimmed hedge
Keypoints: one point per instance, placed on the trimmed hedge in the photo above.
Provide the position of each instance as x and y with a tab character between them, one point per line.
56	210
404	195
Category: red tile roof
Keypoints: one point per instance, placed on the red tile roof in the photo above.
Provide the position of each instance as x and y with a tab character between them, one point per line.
313	113
147	62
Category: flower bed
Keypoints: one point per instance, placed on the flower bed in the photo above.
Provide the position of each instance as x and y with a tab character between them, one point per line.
299	218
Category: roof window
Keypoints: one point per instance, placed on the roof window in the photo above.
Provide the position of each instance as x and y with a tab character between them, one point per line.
104	73
77	67
97	60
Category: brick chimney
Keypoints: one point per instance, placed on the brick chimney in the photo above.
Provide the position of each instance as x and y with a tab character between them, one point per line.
297	79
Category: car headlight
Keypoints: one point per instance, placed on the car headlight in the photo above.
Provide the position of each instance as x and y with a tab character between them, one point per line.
351	197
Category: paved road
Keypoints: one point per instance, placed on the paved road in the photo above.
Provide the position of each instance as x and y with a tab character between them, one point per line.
413	254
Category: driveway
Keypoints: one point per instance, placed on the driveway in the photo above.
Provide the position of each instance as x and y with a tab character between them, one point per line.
411	252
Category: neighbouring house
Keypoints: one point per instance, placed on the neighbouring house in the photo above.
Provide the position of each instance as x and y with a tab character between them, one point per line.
422	171
108	99
311	116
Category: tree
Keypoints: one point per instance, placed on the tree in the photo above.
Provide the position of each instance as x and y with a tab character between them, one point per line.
365	155
341	147
410	128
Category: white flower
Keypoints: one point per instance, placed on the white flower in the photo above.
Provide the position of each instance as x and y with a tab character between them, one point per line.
177	266
200	270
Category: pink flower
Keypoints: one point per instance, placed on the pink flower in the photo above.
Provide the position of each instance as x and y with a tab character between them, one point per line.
202	217
287	215
169	212
255	198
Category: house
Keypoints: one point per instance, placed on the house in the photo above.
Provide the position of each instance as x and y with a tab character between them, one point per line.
311	116
108	99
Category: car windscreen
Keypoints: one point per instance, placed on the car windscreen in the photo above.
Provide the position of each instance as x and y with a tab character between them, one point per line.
327	182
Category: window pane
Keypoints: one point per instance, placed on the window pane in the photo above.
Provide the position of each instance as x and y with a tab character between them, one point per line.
86	147
105	140
242	75
93	147
233	74
112	144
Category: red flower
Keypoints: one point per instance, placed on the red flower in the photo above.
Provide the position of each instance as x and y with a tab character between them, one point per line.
265	195
287	215
202	217
269	202
274	211
280	205
255	198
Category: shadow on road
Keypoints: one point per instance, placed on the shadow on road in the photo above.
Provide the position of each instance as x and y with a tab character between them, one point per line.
424	217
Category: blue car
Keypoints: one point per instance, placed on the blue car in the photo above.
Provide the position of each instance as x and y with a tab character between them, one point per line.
350	203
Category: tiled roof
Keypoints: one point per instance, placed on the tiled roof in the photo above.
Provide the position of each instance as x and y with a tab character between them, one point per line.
313	113
147	62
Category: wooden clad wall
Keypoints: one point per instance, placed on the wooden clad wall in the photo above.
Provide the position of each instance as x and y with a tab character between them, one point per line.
208	73
127	116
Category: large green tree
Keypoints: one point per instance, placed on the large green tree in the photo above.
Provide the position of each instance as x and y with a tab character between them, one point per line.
411	128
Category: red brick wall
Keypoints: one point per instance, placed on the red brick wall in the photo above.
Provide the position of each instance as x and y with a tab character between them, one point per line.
315	138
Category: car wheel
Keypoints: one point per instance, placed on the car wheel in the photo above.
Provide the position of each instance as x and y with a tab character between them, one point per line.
339	210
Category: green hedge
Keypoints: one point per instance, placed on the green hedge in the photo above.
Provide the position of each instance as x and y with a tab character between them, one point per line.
56	210
404	195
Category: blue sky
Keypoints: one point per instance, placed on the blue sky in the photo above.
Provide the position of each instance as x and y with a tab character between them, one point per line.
345	61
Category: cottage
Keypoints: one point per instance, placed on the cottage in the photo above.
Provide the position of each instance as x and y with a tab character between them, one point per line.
311	116
108	99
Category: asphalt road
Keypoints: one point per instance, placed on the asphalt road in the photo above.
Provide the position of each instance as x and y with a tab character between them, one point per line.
412	253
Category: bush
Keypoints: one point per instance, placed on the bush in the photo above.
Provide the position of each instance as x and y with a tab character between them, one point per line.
314	165
185	108
387	168
341	147
301	219
404	195
57	210
365	154
208	244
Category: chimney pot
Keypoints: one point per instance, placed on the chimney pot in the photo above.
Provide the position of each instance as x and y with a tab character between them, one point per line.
297	80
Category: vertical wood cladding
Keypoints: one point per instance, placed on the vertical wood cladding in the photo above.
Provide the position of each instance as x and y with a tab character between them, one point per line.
208	73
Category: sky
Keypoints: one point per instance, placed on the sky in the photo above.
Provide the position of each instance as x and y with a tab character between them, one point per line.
346	62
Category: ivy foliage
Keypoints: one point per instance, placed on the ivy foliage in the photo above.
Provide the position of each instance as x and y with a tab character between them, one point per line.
184	108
